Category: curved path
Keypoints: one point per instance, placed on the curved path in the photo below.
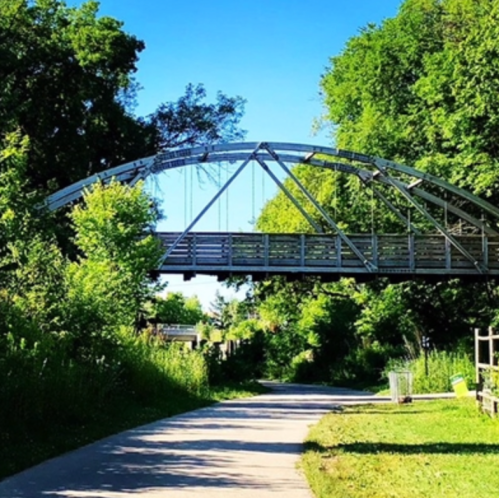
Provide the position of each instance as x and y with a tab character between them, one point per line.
244	448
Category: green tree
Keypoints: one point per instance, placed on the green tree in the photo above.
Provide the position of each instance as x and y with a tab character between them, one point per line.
190	121
67	84
32	267
118	250
63	69
421	88
176	309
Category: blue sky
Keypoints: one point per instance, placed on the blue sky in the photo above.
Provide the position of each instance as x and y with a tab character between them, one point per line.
270	52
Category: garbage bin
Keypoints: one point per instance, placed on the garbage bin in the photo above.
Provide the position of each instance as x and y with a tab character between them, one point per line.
459	385
401	386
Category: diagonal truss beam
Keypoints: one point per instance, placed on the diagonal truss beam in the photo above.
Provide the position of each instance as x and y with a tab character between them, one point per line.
403	190
379	162
390	206
208	206
369	266
451	208
140	176
478	201
367	176
289	195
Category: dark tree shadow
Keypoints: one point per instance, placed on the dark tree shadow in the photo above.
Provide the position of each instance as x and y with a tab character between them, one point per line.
408	449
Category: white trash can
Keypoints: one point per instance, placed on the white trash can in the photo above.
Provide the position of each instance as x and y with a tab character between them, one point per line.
400	386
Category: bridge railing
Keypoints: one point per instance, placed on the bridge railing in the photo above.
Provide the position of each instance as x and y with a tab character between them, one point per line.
176	326
431	253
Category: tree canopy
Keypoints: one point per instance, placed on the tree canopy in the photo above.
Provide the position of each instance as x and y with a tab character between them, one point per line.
422	89
175	308
68	84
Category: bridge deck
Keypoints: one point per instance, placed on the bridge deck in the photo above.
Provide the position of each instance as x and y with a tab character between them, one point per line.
180	333
225	254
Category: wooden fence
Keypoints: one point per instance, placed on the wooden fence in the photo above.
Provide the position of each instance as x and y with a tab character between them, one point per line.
487	370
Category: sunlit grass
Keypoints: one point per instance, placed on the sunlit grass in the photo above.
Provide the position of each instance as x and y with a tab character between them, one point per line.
426	449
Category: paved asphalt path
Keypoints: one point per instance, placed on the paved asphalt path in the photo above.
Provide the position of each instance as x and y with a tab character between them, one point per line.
241	448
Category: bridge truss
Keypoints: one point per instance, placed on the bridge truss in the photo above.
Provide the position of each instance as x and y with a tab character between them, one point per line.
439	251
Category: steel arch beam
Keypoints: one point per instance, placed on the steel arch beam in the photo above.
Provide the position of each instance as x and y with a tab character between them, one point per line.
287	153
364	175
125	173
311	150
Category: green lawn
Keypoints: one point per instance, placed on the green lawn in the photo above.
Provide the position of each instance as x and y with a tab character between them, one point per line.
21	449
431	449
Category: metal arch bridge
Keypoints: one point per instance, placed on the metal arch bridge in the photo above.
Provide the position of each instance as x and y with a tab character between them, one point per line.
440	253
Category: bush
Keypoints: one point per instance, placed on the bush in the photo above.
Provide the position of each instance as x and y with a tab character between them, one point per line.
302	367
246	363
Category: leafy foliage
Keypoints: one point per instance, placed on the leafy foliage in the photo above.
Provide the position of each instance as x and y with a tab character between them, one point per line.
114	235
421	89
176	309
68	85
62	69
441	366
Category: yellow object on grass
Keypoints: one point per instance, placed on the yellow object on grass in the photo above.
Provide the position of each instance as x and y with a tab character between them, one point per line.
459	385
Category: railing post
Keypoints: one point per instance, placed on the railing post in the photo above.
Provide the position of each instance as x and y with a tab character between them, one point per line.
194	249
229	256
491	349
302	250
374	249
448	254
338	251
477	356
485	250
266	249
412	252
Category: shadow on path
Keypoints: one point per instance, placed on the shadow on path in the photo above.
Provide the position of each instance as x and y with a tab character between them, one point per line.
238	447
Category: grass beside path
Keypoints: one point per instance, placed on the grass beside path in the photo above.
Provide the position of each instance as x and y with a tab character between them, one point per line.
431	449
20	450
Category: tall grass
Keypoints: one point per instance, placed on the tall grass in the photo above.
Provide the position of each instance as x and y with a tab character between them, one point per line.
38	387
441	366
35	389
153	368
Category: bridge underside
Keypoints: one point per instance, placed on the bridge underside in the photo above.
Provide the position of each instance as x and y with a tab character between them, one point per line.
398	257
